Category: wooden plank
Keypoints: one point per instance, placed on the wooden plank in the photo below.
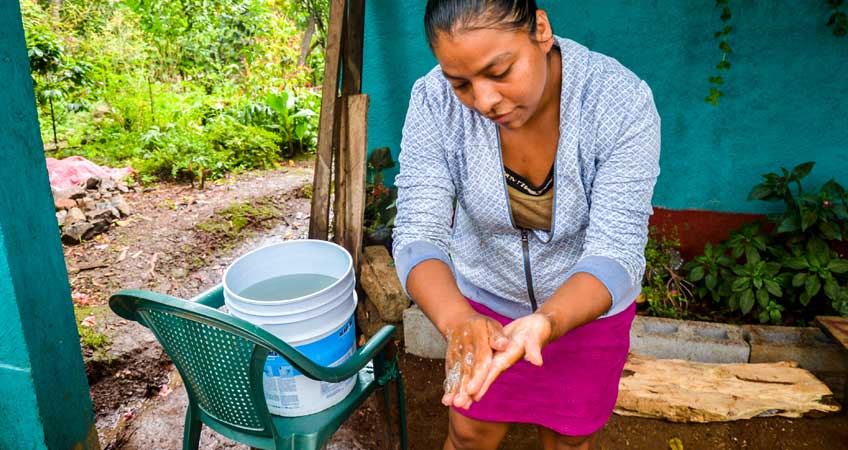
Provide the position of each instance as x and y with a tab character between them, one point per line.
319	216
685	391
340	181
353	43
836	327
355	167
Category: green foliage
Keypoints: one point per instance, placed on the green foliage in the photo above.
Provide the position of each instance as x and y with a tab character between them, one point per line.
168	87
664	290
790	265
380	201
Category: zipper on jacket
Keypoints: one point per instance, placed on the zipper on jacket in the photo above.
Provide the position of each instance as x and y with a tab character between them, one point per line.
525	247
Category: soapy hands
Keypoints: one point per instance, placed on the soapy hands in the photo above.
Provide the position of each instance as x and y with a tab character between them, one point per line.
480	349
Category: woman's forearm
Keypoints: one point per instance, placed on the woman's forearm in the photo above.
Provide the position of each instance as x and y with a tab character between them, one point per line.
580	300
433	287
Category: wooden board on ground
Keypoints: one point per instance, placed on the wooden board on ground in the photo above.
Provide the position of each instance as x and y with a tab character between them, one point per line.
684	391
836	327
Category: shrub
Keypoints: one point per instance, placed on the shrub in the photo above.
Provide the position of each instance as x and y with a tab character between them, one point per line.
787	264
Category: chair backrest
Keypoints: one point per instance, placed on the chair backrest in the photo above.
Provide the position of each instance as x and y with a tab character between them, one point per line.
219	362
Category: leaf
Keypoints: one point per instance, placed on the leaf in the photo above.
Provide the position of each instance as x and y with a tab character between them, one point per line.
812	286
838	265
771	268
762	298
711	280
830	231
797	263
801	170
305	113
725	47
740	284
774	288
831	289
799	279
675	444
746	301
774	314
760	191
717	79
789	224
751	254
723	65
808	218
804	298
726	14
696	274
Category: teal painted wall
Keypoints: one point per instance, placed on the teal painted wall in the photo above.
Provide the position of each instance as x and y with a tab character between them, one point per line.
44	399
784	99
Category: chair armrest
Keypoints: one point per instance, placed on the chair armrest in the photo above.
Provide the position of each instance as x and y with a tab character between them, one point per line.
212	297
360	358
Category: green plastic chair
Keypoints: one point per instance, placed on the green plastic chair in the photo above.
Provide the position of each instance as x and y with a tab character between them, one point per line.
221	358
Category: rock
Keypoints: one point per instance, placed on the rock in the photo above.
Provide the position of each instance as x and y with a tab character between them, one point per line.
73	233
107	184
61	216
121	205
72	193
99	214
178	272
74	215
381	285
93	183
95	195
106	195
97	227
122	187
86	203
64	204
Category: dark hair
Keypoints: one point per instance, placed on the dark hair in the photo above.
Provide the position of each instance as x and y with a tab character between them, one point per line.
450	15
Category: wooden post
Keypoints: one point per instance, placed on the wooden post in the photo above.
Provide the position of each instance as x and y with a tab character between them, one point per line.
351	84
319	216
356	146
353	35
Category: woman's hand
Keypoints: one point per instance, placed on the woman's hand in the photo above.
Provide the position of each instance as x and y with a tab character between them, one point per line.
472	341
527	336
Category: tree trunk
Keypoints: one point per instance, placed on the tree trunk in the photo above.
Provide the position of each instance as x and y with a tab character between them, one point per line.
306	45
56	11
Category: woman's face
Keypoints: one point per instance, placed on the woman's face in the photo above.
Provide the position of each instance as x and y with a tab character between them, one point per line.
500	74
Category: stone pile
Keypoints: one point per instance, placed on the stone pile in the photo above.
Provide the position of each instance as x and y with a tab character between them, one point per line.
87	210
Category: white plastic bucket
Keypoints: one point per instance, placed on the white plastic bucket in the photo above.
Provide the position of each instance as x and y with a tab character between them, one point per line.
319	324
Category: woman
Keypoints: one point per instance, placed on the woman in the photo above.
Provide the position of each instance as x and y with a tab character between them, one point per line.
527	167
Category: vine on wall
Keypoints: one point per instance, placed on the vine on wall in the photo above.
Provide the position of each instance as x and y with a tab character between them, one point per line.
717	80
838	19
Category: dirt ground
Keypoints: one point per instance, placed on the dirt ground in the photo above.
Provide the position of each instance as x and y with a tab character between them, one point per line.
139	401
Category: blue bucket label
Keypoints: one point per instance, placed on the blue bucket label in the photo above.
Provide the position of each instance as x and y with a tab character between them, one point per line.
288	392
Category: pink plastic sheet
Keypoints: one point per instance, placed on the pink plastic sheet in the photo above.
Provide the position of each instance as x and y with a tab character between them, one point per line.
75	170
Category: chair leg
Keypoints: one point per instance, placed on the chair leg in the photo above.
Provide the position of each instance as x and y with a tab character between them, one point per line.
402	411
193	426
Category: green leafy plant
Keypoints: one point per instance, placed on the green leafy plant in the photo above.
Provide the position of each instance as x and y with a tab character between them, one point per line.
380	200
664	290
789	264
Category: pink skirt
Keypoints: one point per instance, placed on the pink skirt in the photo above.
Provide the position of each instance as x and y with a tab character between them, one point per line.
574	392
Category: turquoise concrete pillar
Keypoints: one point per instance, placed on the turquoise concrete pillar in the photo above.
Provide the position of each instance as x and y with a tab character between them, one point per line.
44	400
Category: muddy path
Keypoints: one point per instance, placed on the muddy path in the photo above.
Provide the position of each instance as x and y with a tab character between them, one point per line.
178	241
